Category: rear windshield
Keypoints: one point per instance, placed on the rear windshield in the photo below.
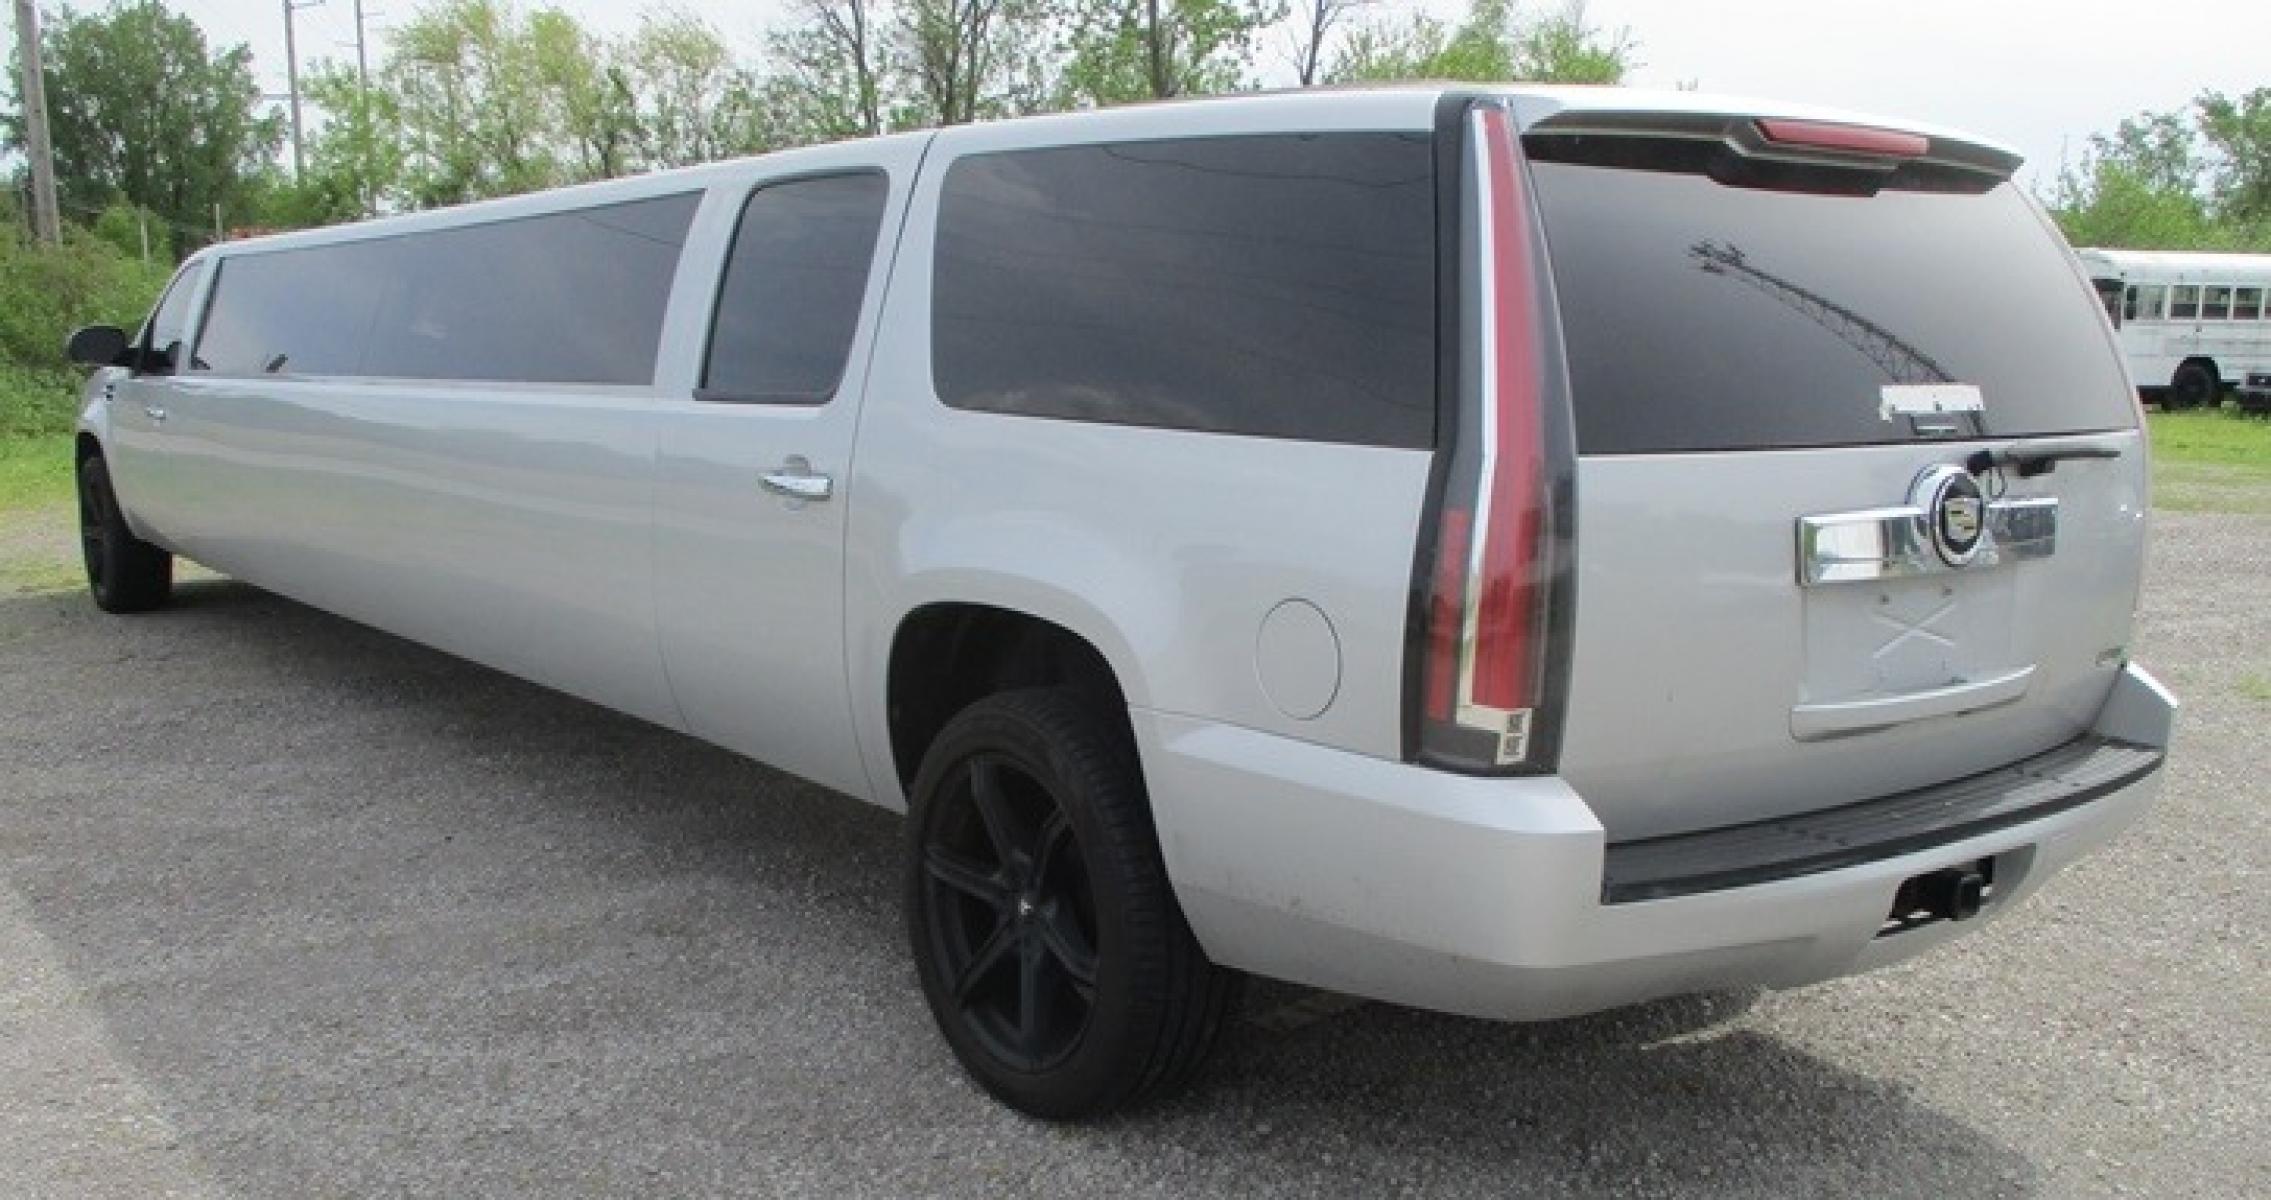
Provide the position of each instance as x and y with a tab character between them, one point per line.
1703	316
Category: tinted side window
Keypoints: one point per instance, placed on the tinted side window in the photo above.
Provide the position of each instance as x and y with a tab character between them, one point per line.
1276	285
790	300
298	312
1702	316
170	323
569	297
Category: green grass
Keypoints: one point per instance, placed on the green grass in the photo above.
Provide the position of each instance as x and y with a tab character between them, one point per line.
35	472
2211	462
36	548
2255	687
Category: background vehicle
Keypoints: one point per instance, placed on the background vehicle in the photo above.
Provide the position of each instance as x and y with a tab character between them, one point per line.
1514	553
2190	325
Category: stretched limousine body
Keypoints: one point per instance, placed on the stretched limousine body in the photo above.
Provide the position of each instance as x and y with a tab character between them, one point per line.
1511	552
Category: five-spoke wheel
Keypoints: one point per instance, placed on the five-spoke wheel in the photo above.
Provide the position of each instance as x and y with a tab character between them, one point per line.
1013	917
1051	949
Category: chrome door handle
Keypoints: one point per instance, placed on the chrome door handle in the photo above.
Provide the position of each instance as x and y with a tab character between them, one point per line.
798	481
155	413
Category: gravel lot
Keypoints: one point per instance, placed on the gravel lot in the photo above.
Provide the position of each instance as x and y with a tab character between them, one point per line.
291	908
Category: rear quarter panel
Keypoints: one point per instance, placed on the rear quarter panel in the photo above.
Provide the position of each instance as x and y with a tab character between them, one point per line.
1164	549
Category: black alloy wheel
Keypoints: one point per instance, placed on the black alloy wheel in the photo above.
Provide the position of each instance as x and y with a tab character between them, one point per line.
1050	946
94	529
124	573
1012	913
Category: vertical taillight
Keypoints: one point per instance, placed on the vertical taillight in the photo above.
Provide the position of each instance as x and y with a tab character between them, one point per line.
1490	646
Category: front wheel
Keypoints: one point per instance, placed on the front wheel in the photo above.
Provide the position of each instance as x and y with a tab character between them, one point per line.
1050	946
124	573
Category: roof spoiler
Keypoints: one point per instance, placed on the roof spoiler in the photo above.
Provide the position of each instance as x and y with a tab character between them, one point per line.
1770	151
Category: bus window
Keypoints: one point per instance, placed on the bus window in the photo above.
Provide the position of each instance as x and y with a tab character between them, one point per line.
2247	304
2215	303
2148	302
2184	302
2109	294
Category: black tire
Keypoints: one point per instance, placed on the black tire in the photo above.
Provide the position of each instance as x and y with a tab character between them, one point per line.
124	573
1032	864
2193	385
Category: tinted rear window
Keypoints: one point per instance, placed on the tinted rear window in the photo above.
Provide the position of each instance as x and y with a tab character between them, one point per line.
568	297
1275	285
1700	316
790	300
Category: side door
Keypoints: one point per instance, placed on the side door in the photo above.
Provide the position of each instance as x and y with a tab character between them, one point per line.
754	463
155	484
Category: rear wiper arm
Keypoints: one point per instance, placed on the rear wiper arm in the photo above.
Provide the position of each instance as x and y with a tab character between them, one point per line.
2034	460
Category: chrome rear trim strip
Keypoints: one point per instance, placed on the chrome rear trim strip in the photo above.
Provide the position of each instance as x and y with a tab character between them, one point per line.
1896	542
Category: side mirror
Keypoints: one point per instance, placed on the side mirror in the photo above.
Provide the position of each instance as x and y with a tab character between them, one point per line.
98	346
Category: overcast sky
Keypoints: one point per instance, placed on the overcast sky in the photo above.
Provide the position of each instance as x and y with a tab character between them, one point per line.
2037	74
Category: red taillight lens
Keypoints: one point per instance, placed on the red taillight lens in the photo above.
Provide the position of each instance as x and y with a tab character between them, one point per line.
1847	139
1483	687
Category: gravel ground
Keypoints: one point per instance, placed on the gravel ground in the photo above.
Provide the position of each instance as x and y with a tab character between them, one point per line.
289	907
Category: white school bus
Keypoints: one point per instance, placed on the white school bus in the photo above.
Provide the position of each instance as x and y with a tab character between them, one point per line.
2189	324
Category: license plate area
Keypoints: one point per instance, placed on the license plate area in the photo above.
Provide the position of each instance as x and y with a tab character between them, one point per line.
1898	637
1955	893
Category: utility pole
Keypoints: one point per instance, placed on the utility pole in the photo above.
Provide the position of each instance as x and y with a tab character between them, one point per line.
292	77
363	90
362	55
47	220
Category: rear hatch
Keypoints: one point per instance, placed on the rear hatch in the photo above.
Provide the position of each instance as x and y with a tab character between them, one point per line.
1797	583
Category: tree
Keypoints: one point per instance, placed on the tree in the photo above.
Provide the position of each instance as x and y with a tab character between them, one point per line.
2107	201
2239	131
465	77
831	72
1564	47
1492	44
592	112
1124	50
967	59
1318	20
357	161
693	102
2174	180
143	111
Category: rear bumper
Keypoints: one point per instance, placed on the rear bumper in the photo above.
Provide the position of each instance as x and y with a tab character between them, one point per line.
1486	896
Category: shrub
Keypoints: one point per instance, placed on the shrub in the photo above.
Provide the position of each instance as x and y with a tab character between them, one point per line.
47	291
125	227
36	402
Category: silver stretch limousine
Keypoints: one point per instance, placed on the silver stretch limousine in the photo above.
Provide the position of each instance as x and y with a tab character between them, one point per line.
1514	552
